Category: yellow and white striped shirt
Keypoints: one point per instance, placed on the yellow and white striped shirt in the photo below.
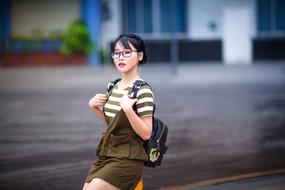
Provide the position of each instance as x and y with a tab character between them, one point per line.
144	102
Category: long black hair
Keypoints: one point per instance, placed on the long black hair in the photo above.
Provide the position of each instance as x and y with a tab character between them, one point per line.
135	40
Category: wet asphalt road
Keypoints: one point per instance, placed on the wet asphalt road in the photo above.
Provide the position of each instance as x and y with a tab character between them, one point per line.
223	121
273	182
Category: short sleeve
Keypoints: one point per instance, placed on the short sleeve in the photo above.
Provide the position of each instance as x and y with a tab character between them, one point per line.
145	101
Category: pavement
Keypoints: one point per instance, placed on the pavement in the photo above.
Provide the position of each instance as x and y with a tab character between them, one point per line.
269	180
223	121
272	182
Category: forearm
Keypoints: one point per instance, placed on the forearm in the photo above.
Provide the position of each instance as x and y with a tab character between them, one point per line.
100	114
139	126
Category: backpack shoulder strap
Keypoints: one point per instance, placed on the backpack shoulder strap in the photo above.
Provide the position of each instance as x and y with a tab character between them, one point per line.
112	84
136	87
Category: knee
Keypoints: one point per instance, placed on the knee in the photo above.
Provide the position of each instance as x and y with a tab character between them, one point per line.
85	186
100	184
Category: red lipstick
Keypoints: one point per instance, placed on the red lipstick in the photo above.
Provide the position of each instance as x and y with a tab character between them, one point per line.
121	65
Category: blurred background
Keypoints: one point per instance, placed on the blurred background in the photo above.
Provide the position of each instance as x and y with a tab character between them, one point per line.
230	31
217	68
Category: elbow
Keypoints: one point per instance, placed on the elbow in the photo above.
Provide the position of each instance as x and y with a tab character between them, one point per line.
146	136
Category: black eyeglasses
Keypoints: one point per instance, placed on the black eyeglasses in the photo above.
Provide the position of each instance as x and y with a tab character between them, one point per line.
126	53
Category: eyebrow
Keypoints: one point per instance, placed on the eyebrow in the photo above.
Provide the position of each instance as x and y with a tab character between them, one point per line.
122	49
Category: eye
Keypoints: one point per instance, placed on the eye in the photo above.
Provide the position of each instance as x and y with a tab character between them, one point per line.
127	51
115	54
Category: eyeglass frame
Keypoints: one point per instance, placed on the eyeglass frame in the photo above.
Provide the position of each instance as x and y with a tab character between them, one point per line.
122	53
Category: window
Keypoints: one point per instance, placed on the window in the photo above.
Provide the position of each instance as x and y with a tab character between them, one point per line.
154	16
280	15
177	7
271	16
137	16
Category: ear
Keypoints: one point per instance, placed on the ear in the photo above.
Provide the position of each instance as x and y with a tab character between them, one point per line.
140	55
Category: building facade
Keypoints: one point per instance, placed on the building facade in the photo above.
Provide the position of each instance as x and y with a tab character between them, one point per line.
225	31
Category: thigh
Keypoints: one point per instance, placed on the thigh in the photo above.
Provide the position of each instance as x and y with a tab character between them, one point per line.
99	184
85	186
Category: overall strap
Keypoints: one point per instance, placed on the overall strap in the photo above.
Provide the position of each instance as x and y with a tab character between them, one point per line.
109	90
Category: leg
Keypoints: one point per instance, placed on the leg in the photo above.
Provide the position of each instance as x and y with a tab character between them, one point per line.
85	187
100	184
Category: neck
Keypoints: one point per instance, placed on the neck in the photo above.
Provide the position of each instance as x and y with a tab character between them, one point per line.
130	76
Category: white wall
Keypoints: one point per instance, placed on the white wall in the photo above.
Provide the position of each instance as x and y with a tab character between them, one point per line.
237	48
203	12
30	15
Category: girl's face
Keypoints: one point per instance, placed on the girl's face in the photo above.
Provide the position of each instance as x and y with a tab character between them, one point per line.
126	59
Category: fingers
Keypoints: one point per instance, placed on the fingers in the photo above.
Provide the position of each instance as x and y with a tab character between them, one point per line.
127	102
98	100
131	96
101	96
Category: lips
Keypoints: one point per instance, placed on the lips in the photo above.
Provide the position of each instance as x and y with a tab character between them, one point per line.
121	64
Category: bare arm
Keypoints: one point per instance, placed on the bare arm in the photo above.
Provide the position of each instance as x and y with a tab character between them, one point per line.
96	103
141	125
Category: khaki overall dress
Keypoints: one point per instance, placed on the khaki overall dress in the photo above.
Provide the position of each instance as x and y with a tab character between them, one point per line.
120	155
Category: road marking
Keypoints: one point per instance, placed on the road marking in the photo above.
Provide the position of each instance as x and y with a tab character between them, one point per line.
224	180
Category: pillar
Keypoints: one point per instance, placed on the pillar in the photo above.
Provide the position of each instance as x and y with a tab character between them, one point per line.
90	11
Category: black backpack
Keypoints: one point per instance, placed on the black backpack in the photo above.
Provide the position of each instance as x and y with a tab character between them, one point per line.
155	146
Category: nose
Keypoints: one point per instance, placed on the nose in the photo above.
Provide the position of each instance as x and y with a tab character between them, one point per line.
121	56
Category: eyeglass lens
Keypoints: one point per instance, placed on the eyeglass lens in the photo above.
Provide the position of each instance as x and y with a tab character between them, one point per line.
125	53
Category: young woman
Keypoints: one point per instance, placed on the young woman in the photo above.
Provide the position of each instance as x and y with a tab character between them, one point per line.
120	153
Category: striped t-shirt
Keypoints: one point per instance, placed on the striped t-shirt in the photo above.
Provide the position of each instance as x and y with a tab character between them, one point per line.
144	102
